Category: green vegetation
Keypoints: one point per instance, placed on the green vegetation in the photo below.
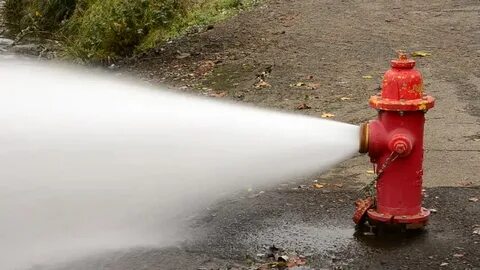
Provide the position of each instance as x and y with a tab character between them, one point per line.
102	30
40	17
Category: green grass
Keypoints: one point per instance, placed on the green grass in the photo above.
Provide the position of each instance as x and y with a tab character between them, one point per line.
104	30
42	17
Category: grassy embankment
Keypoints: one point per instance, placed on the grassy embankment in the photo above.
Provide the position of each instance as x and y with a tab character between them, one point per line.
105	30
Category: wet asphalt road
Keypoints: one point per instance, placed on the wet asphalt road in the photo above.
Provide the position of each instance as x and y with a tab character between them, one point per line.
316	224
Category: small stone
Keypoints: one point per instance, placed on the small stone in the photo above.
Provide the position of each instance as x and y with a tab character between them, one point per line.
29	49
473	199
183	55
6	42
444	264
283	258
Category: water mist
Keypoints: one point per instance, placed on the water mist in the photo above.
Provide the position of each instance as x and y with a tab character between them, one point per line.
92	163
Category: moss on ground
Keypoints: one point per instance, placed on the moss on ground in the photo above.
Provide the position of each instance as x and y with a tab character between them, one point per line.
104	30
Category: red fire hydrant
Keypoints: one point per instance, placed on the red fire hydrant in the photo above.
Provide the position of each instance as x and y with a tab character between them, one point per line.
394	143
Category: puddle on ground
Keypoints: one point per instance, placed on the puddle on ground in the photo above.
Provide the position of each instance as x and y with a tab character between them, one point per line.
302	238
389	239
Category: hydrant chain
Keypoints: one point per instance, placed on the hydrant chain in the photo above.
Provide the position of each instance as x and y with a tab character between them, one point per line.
393	156
369	189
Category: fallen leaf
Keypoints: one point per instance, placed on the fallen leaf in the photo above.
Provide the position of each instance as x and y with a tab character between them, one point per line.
298	84
444	264
310	85
262	84
313	86
218	95
367	77
204	68
345	98
473	199
421	54
370	172
295	261
327	115
303	106
338	185
182	55
465	183
318	186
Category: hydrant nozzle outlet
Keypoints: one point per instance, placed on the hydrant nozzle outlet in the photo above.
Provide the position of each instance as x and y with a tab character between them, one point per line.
363	143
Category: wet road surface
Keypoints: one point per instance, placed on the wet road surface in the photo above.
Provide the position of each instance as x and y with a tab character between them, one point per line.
315	224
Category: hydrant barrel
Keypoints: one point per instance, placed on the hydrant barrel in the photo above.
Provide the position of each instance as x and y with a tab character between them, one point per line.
399	187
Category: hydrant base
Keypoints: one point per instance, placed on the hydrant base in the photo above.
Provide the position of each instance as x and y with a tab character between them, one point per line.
420	218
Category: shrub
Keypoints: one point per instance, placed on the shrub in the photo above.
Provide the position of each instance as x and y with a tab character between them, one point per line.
39	16
106	29
102	30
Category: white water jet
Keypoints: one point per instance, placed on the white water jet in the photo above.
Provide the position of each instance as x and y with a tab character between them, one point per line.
91	162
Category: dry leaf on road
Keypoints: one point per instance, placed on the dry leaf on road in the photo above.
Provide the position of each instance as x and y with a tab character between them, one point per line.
218	95
327	115
318	186
313	86
421	54
204	68
262	84
303	106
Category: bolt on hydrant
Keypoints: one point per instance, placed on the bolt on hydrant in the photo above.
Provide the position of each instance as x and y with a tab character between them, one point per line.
394	143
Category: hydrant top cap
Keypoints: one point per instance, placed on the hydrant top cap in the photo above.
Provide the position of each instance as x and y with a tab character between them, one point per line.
403	63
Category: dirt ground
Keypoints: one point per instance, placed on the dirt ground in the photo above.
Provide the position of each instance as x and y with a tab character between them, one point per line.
330	55
315	225
318	52
322	53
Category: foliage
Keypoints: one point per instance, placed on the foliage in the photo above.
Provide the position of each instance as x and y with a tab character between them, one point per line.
112	28
102	30
40	16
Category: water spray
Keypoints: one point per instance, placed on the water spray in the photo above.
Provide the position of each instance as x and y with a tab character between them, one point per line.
93	163
394	143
